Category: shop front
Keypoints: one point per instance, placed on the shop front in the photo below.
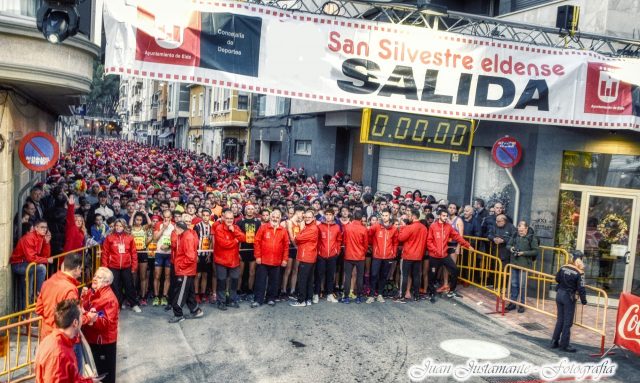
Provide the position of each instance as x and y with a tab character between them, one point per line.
599	213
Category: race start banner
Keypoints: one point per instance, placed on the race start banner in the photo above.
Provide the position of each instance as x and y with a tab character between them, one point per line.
628	323
370	64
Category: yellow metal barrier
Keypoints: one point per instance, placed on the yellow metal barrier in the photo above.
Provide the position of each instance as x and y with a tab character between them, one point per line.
545	306
87	271
18	341
483	244
481	270
559	258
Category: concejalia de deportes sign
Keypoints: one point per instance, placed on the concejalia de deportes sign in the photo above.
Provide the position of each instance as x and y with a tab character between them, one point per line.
368	64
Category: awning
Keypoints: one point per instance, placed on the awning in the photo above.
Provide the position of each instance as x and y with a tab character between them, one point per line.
166	136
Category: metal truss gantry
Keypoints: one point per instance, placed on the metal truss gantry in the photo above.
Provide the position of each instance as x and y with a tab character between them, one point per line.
463	23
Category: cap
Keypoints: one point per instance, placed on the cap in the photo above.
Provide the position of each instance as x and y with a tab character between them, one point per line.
182	225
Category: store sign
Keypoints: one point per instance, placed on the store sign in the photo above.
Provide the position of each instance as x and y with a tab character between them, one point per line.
543	223
368	64
414	131
628	323
38	151
507	152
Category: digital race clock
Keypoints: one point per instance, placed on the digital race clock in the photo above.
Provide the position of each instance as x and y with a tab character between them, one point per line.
416	131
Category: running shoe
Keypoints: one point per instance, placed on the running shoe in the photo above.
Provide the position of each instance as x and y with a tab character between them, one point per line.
346	300
155	301
380	298
316	299
370	300
298	304
359	300
331	298
176	319
198	314
271	303
163	301
136	309
143	302
443	289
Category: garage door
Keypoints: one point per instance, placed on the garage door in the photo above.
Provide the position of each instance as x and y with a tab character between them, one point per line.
414	169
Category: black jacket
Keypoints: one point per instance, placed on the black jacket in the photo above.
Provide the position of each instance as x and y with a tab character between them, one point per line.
571	280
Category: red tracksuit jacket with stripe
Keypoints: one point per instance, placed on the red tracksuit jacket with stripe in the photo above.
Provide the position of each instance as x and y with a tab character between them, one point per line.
414	241
384	241
356	241
330	240
271	245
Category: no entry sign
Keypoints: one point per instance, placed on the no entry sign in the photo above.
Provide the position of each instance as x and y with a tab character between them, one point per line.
39	151
507	152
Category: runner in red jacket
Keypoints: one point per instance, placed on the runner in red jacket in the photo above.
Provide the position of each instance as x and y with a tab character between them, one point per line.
384	242
271	249
414	238
32	247
356	244
440	233
120	256
226	255
55	359
184	248
61	286
307	242
329	244
102	335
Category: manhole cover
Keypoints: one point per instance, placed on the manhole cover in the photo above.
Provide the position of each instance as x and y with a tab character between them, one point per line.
533	326
475	349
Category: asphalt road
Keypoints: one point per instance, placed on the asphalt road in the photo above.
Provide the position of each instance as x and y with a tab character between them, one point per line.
324	343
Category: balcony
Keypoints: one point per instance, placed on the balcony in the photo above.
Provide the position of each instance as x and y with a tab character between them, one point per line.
54	75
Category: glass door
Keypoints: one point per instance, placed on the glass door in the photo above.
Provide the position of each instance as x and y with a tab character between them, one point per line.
606	242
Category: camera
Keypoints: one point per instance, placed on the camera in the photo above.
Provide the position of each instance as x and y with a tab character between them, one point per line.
514	250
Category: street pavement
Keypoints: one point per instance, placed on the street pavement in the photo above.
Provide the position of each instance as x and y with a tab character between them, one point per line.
325	343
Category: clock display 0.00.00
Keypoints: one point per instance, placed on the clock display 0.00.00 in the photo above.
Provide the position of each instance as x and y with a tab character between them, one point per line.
416	131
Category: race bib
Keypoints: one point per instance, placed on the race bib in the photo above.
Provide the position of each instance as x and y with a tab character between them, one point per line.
206	244
121	248
250	237
139	241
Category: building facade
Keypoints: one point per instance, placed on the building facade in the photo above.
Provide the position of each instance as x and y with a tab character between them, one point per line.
38	83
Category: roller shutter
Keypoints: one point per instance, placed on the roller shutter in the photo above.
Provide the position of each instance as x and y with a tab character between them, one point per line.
413	169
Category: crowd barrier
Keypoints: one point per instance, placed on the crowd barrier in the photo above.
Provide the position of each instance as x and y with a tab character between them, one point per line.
481	270
18	341
540	302
90	262
558	256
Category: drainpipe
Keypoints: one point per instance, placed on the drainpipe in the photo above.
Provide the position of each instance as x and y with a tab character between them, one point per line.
517	202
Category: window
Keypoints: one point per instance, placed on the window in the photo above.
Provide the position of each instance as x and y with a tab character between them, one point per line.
200	104
226	99
170	98
243	101
597	169
193	105
303	147
27	8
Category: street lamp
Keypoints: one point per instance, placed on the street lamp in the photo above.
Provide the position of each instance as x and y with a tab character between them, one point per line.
58	20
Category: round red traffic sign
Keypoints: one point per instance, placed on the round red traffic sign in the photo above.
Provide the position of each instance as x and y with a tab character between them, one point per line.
507	152
39	151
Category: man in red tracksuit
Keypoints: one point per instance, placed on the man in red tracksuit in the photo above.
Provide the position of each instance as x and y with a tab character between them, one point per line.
384	243
226	255
184	251
271	249
356	244
32	247
55	359
414	238
329	243
307	242
440	234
